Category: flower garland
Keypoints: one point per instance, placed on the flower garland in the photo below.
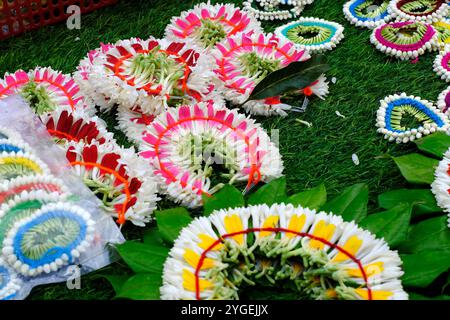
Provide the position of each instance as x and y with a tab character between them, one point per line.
312	34
443	103
152	74
441	184
427	11
133	123
44	88
425	118
443	30
119	177
405	40
441	64
244	60
367	13
206	25
183	144
294	249
10	284
272	11
14	165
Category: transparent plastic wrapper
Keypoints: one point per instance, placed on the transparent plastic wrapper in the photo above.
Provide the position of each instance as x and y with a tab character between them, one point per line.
66	204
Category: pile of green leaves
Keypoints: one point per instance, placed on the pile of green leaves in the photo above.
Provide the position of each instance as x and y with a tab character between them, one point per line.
409	220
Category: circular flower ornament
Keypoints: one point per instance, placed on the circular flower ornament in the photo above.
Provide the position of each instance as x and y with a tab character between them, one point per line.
405	40
283	248
367	13
10	283
193	149
119	177
244	60
312	34
152	74
206	25
268	10
443	30
13	146
403	118
441	184
443	103
133	123
441	64
418	10
44	88
13	165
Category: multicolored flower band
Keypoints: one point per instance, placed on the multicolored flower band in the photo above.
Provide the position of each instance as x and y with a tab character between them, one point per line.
405	40
185	146
244	60
48	239
294	249
44	88
10	283
206	25
312	34
272	10
419	10
441	184
404	118
14	165
152	74
443	29
442	64
118	177
443	102
13	146
367	13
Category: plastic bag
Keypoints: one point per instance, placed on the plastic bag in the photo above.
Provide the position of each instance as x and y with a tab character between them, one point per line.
64	207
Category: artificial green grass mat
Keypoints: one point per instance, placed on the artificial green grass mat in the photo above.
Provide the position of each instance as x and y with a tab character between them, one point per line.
321	153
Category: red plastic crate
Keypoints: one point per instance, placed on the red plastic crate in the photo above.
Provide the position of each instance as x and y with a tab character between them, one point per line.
18	16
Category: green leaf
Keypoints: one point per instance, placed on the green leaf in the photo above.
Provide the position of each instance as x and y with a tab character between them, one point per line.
153	236
312	198
143	258
351	204
417	168
171	221
227	197
423	200
416	296
435	144
424	267
273	192
431	234
142	287
116	281
295	76
392	225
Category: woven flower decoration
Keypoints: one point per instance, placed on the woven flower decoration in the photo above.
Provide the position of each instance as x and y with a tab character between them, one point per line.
274	9
244	60
44	88
152	74
441	64
190	147
10	283
286	248
118	177
206	25
418	10
403	118
443	102
312	34
441	184
367	13
19	164
443	30
405	40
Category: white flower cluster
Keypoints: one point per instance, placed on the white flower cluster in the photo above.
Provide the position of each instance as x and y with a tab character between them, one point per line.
270	9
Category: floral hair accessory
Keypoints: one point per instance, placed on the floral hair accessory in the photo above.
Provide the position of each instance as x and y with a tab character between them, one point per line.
443	30
133	123
118	177
403	118
418	10
312	34
441	184
66	125
441	64
10	283
244	60
271	11
313	255
13	165
206	25
152	74
443	103
50	238
44	88
186	145
49	184
405	40
367	13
